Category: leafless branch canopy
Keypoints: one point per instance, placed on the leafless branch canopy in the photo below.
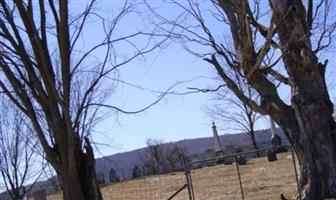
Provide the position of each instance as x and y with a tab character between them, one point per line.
52	67
21	162
255	51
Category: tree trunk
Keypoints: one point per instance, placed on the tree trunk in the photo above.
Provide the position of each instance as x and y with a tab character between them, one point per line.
317	171
78	179
308	121
254	142
314	144
80	188
16	194
318	177
309	125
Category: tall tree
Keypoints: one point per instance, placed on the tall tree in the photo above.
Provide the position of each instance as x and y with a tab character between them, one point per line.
163	158
52	70
234	113
21	162
274	47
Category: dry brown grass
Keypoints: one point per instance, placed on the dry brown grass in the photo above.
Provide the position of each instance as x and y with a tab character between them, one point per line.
261	180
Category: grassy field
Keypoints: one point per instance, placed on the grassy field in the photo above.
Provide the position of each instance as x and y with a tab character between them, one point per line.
261	180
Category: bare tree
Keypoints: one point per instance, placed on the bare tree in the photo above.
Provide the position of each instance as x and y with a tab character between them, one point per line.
20	161
154	156
163	158
234	113
274	47
51	76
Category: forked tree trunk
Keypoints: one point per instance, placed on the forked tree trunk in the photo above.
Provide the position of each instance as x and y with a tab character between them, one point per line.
16	194
79	181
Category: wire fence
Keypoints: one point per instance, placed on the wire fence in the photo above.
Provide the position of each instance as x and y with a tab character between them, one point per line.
257	179
151	187
145	188
271	179
212	179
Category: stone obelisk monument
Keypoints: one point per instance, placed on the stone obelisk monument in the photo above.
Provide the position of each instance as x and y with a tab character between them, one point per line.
217	147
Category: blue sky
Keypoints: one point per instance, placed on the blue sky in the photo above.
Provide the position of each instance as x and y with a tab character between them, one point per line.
176	117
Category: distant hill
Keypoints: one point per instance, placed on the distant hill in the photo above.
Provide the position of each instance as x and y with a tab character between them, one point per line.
123	163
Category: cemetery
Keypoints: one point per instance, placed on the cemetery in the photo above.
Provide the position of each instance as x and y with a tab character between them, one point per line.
111	99
261	180
227	173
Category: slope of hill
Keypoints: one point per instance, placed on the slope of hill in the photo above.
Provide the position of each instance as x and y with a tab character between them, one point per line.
123	163
260	179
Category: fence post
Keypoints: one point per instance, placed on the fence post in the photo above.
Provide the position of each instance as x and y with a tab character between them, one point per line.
240	183
189	181
296	174
177	192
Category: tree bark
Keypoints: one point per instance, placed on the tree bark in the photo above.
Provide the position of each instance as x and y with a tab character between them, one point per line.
15	194
312	139
318	172
79	182
254	142
312	128
40	76
317	157
308	121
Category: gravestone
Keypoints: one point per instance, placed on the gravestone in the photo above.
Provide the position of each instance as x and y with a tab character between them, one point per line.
212	163
209	153
100	178
161	168
271	156
146	169
277	144
229	160
241	160
39	195
229	149
220	161
219	153
217	147
113	176
276	141
136	172
121	178
178	164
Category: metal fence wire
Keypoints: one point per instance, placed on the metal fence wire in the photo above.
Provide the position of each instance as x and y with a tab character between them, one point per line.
228	177
150	187
155	187
214	179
